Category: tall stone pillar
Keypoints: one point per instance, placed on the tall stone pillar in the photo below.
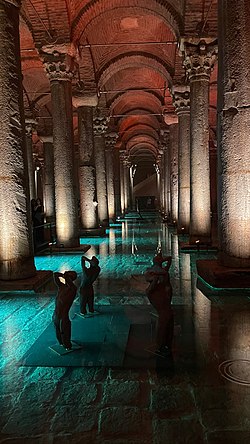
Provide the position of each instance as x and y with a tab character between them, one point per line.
59	67
100	128
173	149
16	252
181	101
110	141
30	125
127	164
48	178
234	133
117	182
165	171
200	56
158	170
87	170
122	188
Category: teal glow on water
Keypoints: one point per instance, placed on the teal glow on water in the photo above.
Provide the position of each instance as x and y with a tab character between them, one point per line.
125	250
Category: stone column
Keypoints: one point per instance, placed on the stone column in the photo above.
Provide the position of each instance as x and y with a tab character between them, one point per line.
127	164
48	178
122	189
16	252
59	67
30	125
165	171
110	141
158	170
87	171
117	182
234	133
181	102
100	128
173	149
200	56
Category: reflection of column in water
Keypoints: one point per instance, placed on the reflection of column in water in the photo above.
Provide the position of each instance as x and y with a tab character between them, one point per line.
202	317
103	250
238	335
124	237
112	246
166	239
159	245
185	277
174	270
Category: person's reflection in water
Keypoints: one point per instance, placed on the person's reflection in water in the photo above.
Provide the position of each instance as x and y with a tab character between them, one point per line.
159	293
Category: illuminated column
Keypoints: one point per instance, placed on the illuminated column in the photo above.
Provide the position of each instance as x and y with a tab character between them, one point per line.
59	69
200	56
16	255
173	149
162	179
234	133
158	168
110	141
117	182
127	165
121	153
100	128
181	102
87	173
165	170
30	125
48	178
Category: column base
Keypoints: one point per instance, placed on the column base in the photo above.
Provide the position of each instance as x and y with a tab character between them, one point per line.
218	276
92	232
187	247
34	283
69	250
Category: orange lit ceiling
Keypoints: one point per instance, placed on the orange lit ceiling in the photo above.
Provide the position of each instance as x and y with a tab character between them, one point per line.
127	53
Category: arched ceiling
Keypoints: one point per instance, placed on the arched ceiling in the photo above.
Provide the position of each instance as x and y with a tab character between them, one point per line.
127	54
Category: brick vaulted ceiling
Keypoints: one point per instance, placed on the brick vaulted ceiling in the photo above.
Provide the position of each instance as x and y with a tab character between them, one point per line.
127	52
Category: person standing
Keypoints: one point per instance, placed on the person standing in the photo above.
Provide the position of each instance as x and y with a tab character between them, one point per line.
64	299
89	275
159	293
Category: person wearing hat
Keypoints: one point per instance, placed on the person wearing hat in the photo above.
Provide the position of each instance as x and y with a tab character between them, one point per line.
89	275
64	299
159	293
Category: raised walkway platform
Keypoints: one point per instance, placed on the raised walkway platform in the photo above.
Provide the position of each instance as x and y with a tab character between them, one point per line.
34	283
214	274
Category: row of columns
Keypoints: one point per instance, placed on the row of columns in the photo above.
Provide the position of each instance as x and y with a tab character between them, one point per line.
16	253
192	108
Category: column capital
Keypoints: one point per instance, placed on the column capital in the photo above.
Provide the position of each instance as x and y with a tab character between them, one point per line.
100	125
181	98
110	140
58	66
199	57
30	126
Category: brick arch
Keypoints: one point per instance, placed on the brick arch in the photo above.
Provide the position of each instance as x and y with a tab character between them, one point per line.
128	122
147	100
143	149
137	130
86	14
134	60
139	141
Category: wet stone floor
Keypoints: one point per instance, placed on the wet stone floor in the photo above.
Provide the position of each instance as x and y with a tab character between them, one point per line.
200	394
